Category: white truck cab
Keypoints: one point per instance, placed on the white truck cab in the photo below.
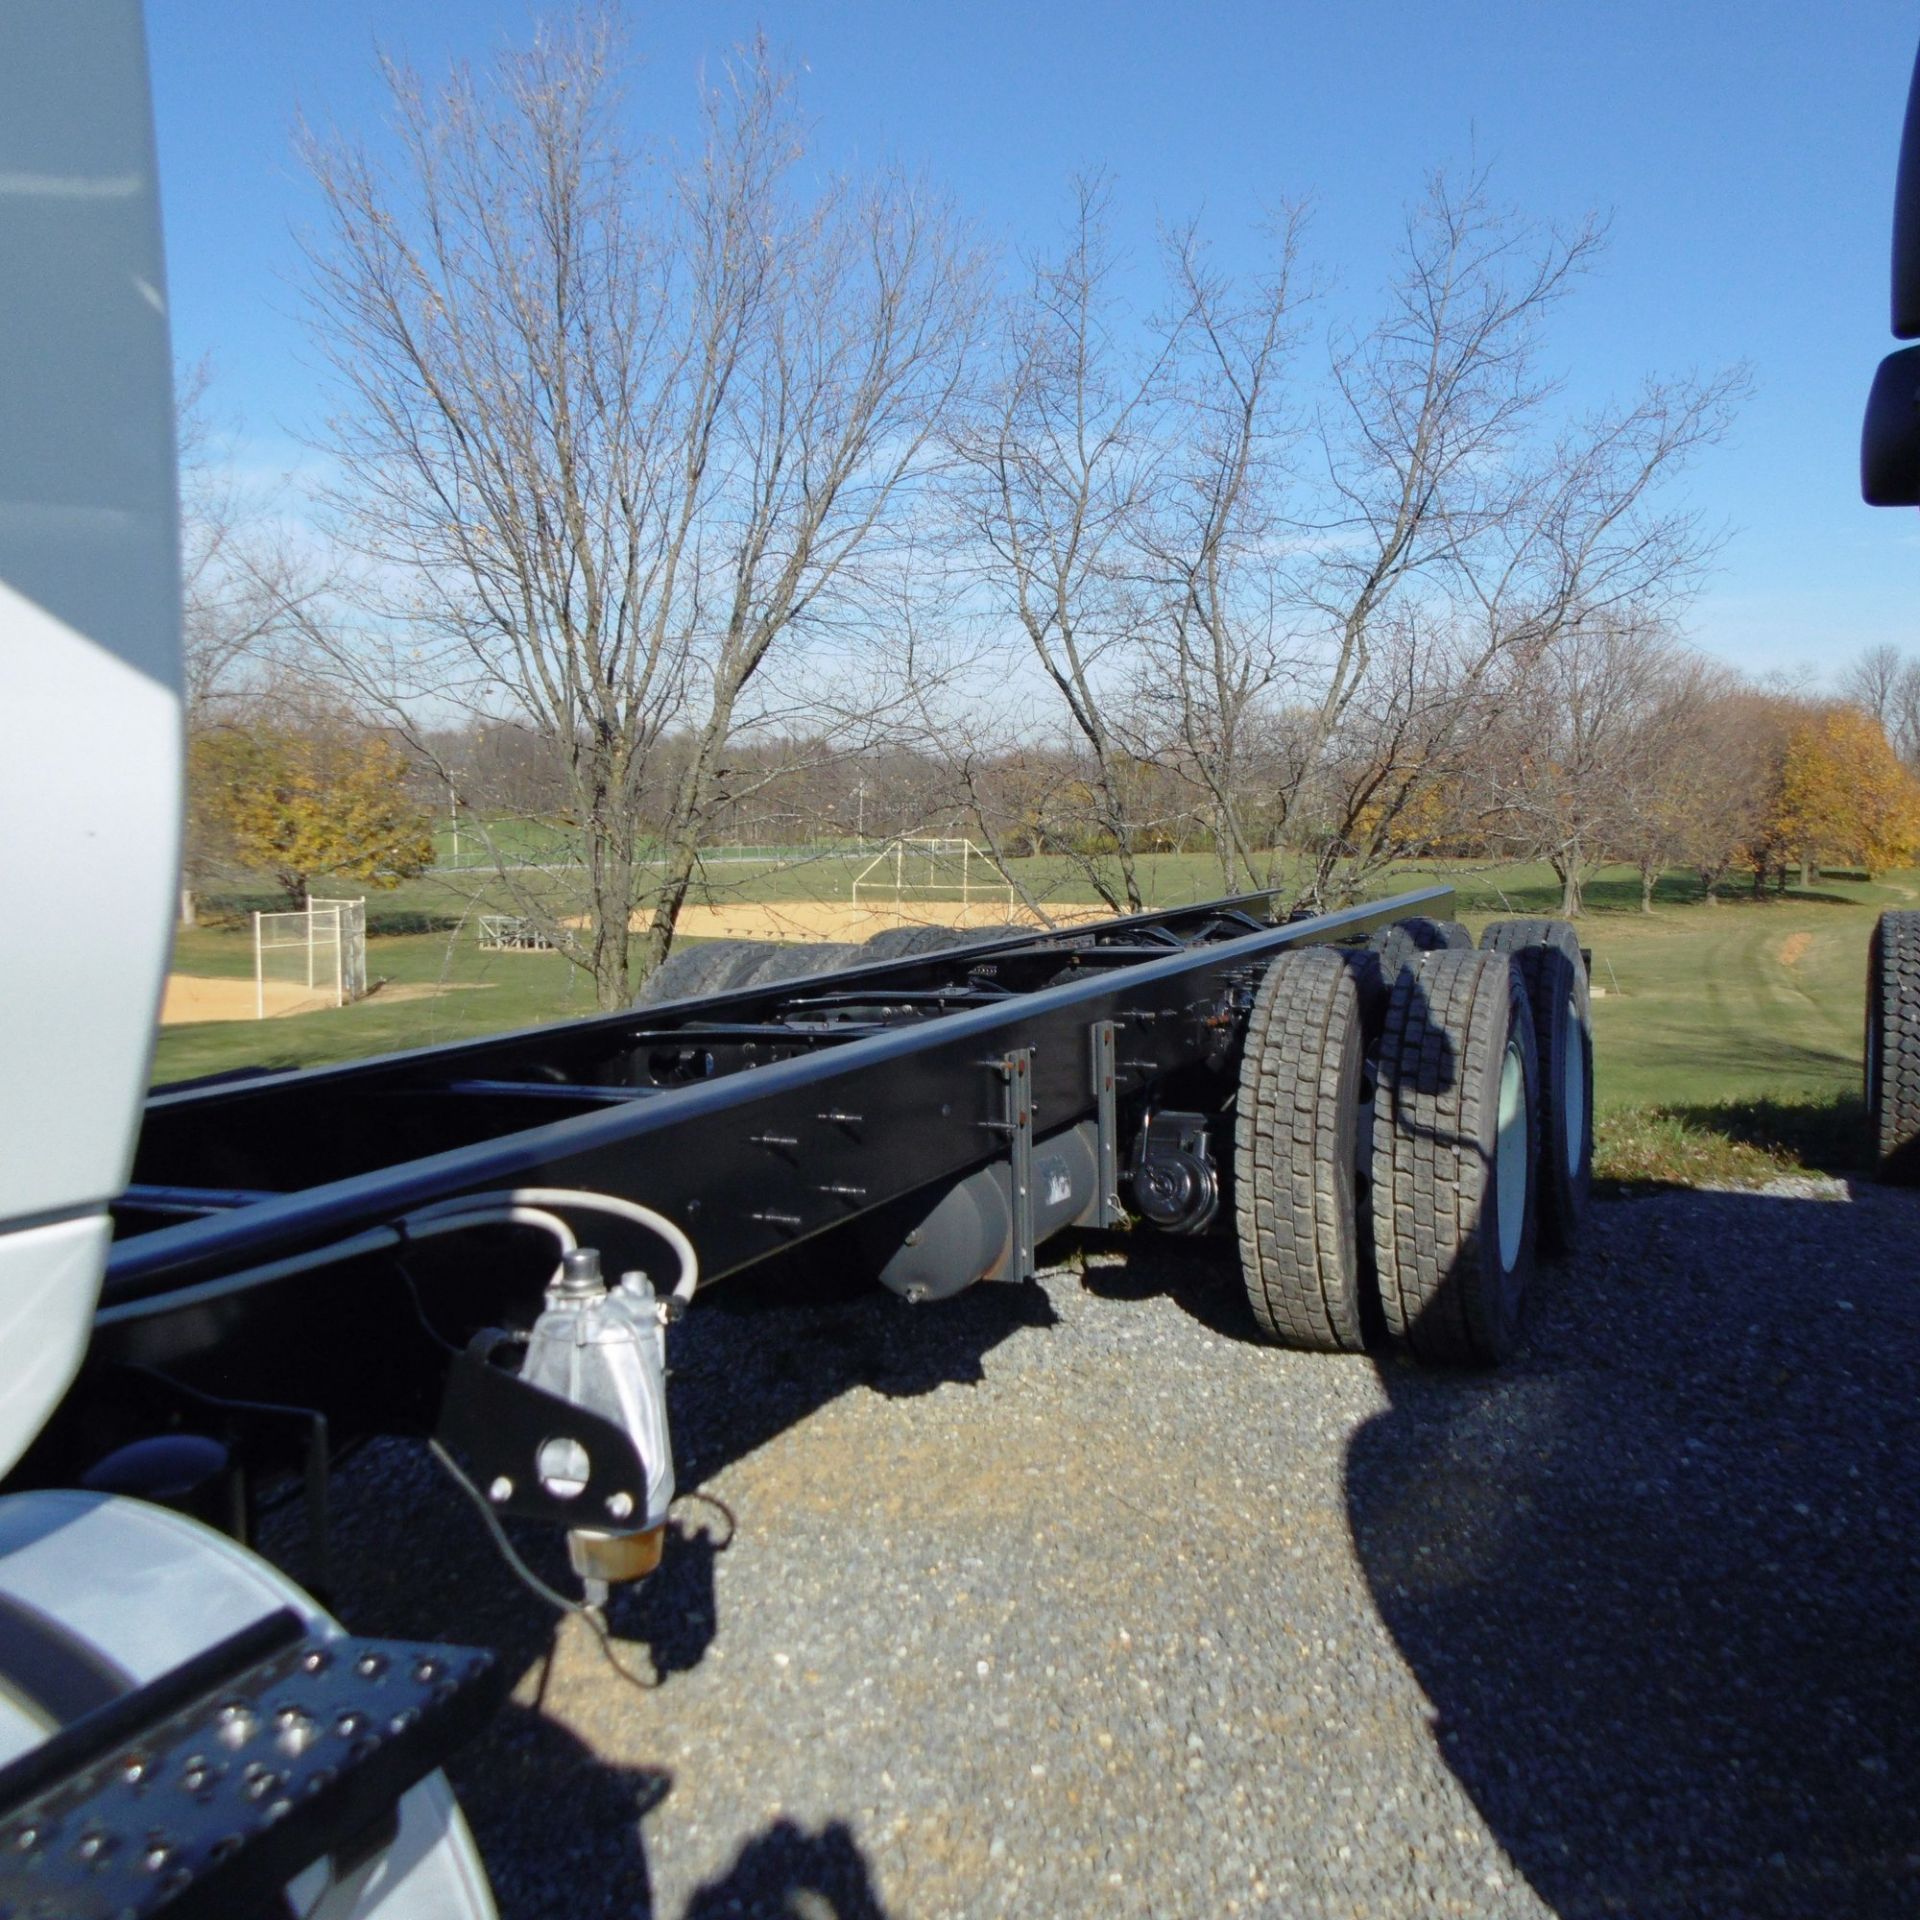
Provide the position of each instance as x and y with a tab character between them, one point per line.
107	1604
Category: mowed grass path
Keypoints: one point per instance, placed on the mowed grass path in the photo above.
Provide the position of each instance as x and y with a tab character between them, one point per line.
1735	1002
1727	1037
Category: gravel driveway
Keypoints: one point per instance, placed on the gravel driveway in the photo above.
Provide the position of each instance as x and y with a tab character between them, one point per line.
1071	1599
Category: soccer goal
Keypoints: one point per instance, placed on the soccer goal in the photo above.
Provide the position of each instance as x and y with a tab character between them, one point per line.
932	869
313	957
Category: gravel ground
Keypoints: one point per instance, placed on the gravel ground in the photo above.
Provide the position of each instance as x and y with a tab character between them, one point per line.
1073	1599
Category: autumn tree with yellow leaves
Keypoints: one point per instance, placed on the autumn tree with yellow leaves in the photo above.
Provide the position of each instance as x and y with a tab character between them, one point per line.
1843	794
296	802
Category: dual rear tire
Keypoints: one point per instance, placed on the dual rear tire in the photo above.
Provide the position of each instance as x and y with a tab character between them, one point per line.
1296	1150
1546	955
1413	1121
1455	1156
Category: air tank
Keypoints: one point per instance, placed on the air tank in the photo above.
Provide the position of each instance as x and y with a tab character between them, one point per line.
936	1242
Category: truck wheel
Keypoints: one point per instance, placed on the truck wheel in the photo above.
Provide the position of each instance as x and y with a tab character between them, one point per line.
901	943
1401	944
1893	1047
151	1590
799	959
1547	953
1307	1271
1455	1146
711	967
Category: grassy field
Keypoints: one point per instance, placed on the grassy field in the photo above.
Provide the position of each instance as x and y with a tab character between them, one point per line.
458	993
1727	1037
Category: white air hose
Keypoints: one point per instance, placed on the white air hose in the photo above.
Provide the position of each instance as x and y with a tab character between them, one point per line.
516	1206
444	1215
430	1221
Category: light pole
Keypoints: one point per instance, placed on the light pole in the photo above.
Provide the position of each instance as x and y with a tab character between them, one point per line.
860	812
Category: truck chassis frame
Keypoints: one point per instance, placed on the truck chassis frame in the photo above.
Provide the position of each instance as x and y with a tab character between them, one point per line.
259	1289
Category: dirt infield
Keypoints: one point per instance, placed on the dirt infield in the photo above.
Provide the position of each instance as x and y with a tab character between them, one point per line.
192	997
841	920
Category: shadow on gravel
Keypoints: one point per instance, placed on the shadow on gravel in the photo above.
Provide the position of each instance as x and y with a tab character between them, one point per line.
787	1873
1199	1274
766	1350
591	1860
558	1827
558	1824
1659	1578
675	1614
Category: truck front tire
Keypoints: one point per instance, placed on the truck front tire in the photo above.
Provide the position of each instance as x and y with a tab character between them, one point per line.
1893	1048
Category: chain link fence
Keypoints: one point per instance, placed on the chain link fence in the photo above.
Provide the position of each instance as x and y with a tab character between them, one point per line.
315	956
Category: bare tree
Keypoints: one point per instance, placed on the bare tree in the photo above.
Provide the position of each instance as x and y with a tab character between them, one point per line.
1722	791
1219	644
1574	775
224	616
1886	684
1317	648
1054	474
613	430
1870	680
1662	780
1470	530
242	589
1902	720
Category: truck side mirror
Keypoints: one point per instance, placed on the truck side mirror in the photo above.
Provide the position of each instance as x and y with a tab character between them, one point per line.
1890	438
1906	221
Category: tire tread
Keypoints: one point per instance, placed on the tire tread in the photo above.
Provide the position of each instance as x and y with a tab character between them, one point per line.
1440	1055
1300	1248
1893	987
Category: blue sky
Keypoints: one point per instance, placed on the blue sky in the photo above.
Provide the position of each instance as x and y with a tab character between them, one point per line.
1744	153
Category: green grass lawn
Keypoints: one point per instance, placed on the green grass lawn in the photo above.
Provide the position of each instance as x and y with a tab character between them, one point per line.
1727	1038
488	993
